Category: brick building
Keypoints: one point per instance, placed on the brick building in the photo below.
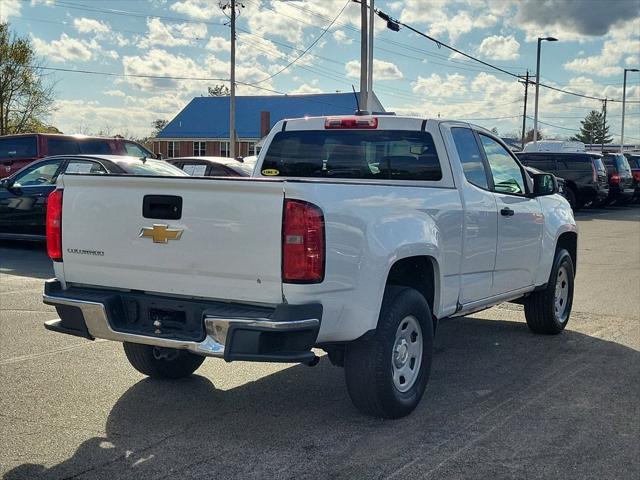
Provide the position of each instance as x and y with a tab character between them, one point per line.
202	127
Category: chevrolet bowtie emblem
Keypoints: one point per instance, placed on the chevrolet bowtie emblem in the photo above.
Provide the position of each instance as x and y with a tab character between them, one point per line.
161	233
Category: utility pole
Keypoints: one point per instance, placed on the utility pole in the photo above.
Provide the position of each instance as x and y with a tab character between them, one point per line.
524	114
364	57
232	97
604	123
370	59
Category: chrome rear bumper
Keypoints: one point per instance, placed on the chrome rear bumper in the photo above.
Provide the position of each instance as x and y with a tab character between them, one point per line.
218	331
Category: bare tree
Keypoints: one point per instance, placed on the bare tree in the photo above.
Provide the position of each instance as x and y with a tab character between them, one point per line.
26	94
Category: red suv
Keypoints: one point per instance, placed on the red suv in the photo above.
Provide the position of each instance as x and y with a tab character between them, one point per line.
17	151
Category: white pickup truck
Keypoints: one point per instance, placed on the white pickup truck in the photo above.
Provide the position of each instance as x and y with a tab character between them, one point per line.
355	235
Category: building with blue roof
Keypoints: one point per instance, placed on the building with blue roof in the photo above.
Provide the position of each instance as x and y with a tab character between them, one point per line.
202	127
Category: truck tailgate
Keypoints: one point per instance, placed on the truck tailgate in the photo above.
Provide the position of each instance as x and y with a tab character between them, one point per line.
229	246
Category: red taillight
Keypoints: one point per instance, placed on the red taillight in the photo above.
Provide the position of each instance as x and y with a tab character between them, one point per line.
615	178
595	173
303	249
351	122
54	225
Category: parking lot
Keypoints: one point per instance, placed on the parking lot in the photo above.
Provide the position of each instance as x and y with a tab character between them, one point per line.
501	400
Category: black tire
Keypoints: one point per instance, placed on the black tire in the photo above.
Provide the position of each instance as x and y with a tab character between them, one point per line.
572	198
162	362
368	360
540	307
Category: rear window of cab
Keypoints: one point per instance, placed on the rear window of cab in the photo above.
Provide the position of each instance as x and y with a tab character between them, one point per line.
359	154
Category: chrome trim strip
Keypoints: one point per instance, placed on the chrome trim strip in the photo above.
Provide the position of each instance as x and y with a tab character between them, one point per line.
217	328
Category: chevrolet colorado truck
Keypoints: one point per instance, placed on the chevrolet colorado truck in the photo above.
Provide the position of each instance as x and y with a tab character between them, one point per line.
355	235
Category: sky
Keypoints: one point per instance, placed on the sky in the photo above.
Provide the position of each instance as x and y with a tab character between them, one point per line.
189	39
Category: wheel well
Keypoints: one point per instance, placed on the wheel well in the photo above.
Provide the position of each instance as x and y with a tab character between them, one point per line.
417	273
569	241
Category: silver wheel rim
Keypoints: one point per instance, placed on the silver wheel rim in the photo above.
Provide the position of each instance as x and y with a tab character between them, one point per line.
406	355
561	297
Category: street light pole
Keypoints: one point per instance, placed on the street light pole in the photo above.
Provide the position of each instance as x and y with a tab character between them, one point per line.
535	117
624	104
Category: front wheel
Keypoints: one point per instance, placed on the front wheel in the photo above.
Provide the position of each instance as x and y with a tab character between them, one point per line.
547	311
157	362
387	371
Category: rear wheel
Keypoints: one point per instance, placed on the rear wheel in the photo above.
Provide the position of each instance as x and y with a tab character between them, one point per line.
157	362
387	372
547	311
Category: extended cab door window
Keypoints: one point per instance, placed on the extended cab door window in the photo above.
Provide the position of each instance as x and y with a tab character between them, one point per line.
506	173
470	157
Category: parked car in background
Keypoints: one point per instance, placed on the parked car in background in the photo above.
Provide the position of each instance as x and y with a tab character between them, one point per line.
18	151
23	196
620	178
634	163
215	166
584	174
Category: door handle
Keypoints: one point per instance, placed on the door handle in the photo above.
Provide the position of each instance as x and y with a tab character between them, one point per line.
507	212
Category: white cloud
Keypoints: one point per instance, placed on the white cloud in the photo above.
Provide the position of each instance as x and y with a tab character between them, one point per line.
342	37
217	44
497	47
436	86
453	17
381	70
622	42
161	34
198	9
114	93
158	62
9	8
306	88
65	49
89	25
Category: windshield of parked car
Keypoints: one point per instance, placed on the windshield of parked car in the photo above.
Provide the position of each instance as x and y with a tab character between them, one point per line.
368	154
152	167
18	147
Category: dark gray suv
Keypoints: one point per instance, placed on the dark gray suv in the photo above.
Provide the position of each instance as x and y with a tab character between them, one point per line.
584	173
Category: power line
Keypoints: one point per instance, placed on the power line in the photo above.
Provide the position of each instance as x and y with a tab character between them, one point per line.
439	43
311	45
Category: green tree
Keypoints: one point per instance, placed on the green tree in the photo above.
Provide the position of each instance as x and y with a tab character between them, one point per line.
528	137
593	129
26	96
219	91
158	125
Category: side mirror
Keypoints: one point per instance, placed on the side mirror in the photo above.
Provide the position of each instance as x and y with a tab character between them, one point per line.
159	156
544	184
7	183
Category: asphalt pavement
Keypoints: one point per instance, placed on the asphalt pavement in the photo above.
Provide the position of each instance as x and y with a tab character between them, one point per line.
502	402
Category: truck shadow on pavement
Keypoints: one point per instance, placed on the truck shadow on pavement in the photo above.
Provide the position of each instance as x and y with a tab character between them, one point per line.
502	402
